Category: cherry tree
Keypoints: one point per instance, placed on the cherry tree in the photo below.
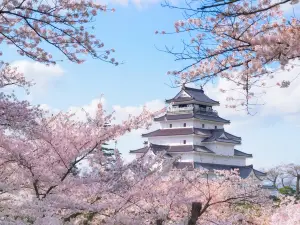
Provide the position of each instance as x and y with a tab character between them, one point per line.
31	25
165	196
293	171
287	212
36	167
276	176
285	178
39	152
243	41
14	114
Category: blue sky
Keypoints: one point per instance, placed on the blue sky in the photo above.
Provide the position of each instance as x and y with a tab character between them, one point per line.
271	135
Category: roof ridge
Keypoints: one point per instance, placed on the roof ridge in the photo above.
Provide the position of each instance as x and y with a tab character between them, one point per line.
195	89
226	165
232	135
241	151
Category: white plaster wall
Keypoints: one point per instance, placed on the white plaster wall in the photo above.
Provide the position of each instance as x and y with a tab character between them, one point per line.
197	140
207	125
205	158
221	149
176	140
172	140
190	123
188	157
220	160
176	124
215	159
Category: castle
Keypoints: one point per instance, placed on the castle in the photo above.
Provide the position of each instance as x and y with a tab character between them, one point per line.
192	129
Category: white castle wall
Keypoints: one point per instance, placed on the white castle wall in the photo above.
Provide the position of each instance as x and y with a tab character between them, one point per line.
205	158
221	149
207	125
190	123
176	124
215	159
176	140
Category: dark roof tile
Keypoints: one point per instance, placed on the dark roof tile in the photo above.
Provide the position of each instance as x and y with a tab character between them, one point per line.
196	95
177	131
240	153
207	116
140	150
219	135
184	165
175	148
210	117
244	171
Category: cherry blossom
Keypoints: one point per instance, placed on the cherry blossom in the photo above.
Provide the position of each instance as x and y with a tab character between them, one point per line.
31	25
245	42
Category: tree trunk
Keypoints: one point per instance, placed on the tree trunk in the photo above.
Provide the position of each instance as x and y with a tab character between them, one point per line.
297	185
195	213
159	222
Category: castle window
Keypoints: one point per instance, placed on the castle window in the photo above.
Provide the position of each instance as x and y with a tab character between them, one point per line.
184	125
170	125
203	125
184	142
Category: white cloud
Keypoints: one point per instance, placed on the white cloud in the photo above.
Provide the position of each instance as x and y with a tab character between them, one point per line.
280	102
130	140
40	74
133	139
123	112
90	109
290	9
283	101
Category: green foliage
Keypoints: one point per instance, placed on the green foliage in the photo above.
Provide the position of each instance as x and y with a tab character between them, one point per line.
287	190
107	151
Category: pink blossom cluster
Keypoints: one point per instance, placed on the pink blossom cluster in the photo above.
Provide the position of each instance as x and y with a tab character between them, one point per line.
29	25
244	42
287	213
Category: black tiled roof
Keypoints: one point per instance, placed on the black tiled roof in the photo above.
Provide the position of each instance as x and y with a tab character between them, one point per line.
199	115
199	148
177	131
170	149
140	150
211	135
195	94
184	165
217	136
210	117
180	99
174	117
259	173
240	153
244	171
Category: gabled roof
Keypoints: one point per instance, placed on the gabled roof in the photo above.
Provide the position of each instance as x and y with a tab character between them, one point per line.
178	131
201	116
184	165
240	153
212	135
194	94
219	135
244	171
199	148
210	117
140	150
173	149
259	173
184	148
